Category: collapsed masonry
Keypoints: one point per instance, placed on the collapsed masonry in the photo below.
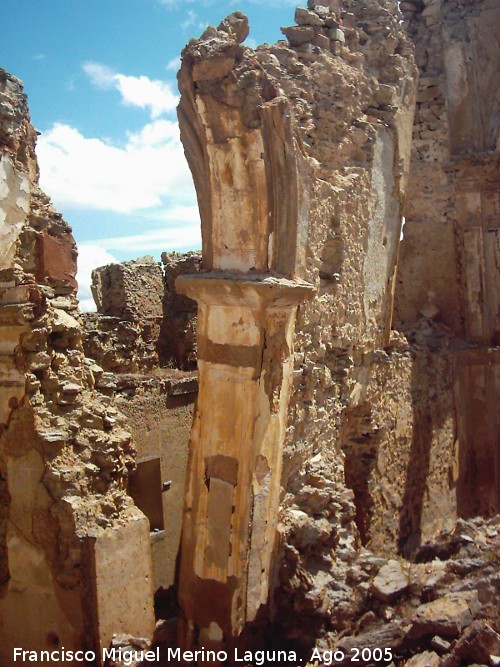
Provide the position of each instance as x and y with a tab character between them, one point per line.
69	532
308	448
299	153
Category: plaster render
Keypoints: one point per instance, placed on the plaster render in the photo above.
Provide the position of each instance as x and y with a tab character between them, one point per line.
14	204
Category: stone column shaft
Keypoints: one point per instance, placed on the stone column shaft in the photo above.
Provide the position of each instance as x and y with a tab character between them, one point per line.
245	346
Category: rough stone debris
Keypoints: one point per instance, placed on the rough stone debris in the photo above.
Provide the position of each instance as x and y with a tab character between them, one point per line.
343	474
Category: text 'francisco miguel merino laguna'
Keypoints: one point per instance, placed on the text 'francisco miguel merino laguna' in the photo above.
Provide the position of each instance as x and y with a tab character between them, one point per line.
128	657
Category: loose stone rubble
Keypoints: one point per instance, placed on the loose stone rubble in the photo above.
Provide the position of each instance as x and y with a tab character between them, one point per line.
343	449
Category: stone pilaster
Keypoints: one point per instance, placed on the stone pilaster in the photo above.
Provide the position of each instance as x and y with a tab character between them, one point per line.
245	355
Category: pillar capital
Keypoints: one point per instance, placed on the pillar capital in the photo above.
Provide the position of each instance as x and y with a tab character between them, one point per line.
246	290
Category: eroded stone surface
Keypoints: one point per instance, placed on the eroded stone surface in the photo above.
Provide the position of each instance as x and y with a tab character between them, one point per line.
64	451
285	122
387	436
391	581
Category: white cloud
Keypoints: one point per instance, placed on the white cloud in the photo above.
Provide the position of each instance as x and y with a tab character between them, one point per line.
189	20
89	257
177	214
90	173
175	4
145	174
138	91
100	75
174	64
187	235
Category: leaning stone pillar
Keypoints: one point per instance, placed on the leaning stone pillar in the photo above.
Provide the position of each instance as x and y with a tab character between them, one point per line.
248	167
245	343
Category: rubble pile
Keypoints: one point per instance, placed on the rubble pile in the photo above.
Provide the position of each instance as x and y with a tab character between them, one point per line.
438	609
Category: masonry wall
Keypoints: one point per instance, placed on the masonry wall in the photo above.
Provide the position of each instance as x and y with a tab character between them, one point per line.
64	452
159	414
389	435
374	453
340	92
449	261
137	341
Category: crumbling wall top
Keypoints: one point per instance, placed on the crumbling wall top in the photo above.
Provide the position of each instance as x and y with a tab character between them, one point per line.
130	290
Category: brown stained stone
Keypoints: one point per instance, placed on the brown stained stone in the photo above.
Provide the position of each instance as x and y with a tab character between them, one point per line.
57	259
219	511
426	659
222	467
479	643
391	581
298	35
229	354
447	616
321	41
216	68
306	17
236	25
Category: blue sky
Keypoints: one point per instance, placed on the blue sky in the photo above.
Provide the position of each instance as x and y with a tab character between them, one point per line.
101	82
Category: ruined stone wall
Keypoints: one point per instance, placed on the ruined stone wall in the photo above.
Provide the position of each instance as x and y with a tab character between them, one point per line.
142	323
450	263
141	335
64	451
399	423
129	290
159	412
123	335
330	111
299	153
453	190
178	328
373	451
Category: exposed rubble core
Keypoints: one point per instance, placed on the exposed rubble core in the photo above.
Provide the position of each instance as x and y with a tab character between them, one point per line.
124	335
341	487
299	153
65	453
178	330
125	338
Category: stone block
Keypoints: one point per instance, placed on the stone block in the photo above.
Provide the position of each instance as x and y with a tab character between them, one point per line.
391	581
337	35
298	35
130	290
14	206
446	616
57	260
426	659
122	580
307	17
